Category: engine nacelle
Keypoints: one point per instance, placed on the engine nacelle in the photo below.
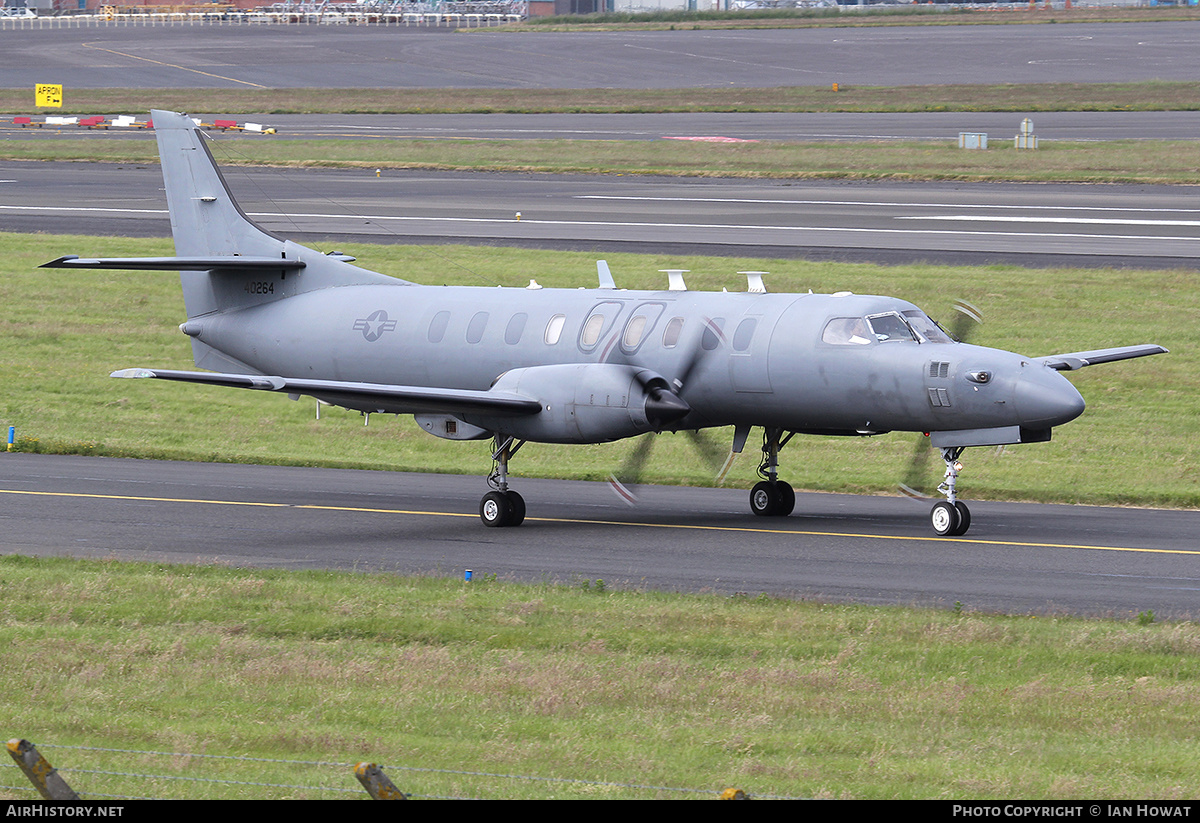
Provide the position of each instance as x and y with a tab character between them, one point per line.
586	403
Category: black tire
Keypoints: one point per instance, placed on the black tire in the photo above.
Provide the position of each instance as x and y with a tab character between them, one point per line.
495	509
763	501
785	497
945	518
518	507
964	518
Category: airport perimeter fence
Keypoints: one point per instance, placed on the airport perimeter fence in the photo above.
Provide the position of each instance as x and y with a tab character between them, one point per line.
399	19
448	19
92	774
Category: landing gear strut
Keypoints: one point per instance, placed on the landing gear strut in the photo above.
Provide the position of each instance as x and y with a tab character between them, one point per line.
771	497
502	507
950	517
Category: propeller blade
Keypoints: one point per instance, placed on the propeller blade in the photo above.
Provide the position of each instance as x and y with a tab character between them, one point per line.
966	320
916	480
630	474
715	456
707	339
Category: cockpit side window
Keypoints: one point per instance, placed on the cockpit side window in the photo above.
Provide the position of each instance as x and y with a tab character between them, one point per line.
847	331
889	328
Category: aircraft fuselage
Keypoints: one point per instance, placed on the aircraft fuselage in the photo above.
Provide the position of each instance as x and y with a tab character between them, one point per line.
765	359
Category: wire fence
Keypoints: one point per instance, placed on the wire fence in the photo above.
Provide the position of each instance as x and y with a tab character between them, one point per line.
458	15
101	774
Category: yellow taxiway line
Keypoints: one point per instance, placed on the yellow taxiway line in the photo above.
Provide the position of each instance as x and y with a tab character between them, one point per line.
686	526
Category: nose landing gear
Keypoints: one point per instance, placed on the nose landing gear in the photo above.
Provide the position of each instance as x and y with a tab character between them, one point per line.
950	517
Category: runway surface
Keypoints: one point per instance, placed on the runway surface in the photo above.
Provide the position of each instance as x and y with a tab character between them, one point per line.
953	223
397	58
1017	558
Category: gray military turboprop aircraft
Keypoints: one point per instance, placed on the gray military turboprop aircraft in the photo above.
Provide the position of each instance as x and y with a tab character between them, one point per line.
586	365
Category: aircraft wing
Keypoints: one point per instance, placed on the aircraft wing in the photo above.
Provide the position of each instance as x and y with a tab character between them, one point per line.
366	397
72	261
1079	359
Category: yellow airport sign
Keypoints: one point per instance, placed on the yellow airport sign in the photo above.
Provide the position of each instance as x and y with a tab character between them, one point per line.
48	96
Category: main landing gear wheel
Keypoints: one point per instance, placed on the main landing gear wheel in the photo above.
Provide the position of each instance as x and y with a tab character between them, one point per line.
772	499
502	509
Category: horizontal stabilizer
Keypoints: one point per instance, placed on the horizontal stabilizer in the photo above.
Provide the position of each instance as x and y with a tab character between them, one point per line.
366	397
72	261
1079	359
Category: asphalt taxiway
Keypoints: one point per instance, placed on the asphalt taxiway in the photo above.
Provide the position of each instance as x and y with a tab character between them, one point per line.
374	57
1017	558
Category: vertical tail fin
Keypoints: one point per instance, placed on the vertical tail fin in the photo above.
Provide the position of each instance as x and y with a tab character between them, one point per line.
226	263
206	220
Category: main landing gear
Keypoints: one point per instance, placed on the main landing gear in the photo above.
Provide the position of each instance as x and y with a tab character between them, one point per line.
771	497
950	517
502	507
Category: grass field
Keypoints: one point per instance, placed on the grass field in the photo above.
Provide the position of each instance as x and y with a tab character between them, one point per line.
1111	162
1153	95
285	680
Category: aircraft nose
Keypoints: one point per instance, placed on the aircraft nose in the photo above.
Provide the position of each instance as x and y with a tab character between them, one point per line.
1045	399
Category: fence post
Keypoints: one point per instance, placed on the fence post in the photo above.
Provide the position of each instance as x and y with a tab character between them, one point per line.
377	783
41	774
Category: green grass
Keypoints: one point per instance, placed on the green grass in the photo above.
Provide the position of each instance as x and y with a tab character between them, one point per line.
62	333
1151	95
575	682
1121	161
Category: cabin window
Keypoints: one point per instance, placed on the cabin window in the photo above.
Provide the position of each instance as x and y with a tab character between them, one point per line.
712	333
554	329
847	331
476	326
516	327
591	330
639	326
744	334
437	326
597	323
671	333
633	332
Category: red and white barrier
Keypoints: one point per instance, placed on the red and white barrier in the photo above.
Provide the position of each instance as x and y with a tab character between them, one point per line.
128	121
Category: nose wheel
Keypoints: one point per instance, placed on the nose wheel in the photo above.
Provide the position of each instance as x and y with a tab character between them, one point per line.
950	517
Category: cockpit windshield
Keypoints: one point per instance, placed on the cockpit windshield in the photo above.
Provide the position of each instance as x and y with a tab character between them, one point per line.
928	330
913	326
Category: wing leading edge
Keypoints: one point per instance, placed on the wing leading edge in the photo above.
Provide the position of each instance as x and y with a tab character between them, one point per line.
366	397
1079	359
